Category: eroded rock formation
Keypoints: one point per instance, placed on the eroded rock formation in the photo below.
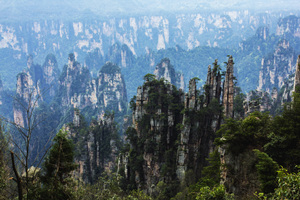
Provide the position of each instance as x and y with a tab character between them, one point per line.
166	121
165	70
79	90
96	146
297	74
276	67
228	91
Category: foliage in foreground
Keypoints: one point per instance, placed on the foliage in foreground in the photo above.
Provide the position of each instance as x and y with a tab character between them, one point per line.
288	187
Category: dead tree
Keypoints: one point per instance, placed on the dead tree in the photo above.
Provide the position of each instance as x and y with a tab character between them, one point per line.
21	140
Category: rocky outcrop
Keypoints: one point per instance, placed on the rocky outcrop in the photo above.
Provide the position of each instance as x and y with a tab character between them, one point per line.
289	26
167	121
154	121
262	33
73	84
193	103
213	83
297	74
238	176
228	90
28	91
276	67
111	89
96	146
73	88
121	55
50	76
79	90
273	100
165	70
201	119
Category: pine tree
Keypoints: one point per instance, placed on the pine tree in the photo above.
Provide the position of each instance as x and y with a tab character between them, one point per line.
57	169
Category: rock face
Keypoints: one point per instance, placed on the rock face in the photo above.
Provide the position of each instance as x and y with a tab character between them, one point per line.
165	70
274	99
297	74
50	76
262	33
111	88
28	91
95	146
240	178
73	83
289	26
78	89
121	55
276	67
154	121
213	83
228	91
73	89
167	121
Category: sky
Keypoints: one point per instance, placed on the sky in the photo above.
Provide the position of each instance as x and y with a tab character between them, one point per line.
111	7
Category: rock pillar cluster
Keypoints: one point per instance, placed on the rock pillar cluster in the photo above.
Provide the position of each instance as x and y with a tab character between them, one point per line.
95	146
166	121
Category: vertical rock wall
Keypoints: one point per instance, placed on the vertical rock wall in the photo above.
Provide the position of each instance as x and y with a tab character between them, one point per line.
228	91
165	70
297	74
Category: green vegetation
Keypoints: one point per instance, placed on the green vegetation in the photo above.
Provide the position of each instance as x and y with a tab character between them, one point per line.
4	174
274	140
56	174
267	171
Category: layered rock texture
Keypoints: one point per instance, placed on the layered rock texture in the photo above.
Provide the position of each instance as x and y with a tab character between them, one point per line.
96	146
34	84
297	74
73	88
165	121
105	92
53	96
276	67
228	91
165	70
273	100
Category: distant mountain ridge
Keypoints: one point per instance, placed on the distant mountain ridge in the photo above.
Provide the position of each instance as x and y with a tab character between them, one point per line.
86	32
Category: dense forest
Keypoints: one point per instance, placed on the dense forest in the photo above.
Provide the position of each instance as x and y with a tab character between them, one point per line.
203	144
149	100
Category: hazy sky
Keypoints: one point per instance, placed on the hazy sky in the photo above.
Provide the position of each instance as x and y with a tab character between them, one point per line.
144	6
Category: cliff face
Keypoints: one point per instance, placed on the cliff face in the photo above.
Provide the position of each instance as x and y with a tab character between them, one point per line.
111	90
96	146
105	92
121	55
167	121
276	67
297	74
273	100
28	90
228	91
50	76
289	26
58	95
73	83
240	176
165	70
154	120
